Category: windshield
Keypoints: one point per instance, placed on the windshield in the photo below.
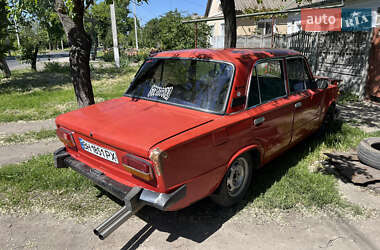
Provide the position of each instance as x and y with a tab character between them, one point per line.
191	83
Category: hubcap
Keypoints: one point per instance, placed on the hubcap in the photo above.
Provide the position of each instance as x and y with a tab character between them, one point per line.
237	176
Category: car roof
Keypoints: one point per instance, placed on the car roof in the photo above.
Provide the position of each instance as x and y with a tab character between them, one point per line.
228	55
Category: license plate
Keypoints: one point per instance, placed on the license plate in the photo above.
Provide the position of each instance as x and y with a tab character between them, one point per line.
104	153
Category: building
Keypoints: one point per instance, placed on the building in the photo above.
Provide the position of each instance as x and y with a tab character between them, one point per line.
261	26
246	26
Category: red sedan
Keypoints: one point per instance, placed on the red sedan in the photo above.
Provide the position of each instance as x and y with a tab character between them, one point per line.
192	124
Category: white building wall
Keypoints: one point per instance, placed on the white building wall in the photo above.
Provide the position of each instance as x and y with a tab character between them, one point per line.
217	36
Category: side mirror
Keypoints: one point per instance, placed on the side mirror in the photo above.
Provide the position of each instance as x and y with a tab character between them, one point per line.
321	83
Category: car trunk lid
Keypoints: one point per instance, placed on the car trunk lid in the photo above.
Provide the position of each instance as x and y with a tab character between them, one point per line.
133	126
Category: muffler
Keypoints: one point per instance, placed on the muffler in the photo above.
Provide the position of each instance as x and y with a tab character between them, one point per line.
115	221
132	206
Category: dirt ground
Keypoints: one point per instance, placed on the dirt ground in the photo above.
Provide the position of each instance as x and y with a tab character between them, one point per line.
364	115
20	152
193	227
165	231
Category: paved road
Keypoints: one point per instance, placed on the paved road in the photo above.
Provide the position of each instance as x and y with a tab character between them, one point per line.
14	64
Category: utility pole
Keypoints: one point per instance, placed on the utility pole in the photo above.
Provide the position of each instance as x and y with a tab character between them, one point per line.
196	35
17	35
134	15
114	35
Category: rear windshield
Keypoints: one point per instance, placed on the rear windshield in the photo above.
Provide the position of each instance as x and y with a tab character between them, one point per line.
190	83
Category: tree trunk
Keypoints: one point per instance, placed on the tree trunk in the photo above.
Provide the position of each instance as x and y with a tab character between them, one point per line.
4	67
95	39
80	44
34	59
228	7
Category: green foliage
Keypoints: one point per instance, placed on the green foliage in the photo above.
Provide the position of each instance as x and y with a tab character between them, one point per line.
98	23
4	23
127	56
108	56
347	97
56	67
168	32
37	13
30	40
53	27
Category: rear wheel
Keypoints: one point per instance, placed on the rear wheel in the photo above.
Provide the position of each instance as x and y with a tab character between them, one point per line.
235	183
330	117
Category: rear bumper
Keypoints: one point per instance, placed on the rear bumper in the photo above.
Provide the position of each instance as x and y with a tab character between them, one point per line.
129	195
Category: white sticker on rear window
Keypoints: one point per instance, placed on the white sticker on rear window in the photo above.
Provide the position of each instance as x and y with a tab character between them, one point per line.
160	92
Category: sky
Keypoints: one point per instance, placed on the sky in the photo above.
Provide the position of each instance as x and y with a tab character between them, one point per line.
156	8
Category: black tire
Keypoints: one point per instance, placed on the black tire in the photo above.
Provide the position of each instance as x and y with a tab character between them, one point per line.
229	192
330	117
369	152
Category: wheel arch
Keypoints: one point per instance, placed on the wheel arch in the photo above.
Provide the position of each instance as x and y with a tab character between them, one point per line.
255	151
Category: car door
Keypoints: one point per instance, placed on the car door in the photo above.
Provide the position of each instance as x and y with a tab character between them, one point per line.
302	98
270	111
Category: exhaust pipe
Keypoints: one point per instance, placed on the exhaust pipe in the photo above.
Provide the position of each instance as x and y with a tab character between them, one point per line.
115	221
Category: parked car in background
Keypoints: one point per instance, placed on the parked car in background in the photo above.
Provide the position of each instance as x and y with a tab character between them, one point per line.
195	123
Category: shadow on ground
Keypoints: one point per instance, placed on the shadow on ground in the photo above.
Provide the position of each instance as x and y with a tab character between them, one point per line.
27	81
55	75
361	114
202	219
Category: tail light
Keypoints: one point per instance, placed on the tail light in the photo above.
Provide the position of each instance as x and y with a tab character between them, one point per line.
66	137
138	167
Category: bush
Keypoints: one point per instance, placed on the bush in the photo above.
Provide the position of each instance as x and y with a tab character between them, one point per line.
136	56
108	56
347	97
56	67
127	56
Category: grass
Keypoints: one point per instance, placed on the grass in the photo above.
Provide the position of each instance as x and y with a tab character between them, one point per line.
41	95
287	182
28	137
347	97
36	184
284	184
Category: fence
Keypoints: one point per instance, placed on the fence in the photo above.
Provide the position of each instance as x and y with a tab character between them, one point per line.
341	55
254	41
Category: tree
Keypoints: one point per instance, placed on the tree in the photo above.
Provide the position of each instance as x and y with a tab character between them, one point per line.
168	32
4	41
37	25
50	22
71	14
228	7
31	37
71	17
98	23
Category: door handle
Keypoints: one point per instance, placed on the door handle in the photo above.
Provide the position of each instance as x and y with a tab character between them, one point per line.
298	105
258	121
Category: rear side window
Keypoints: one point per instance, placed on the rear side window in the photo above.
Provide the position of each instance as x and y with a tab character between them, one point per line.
254	92
270	77
298	76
